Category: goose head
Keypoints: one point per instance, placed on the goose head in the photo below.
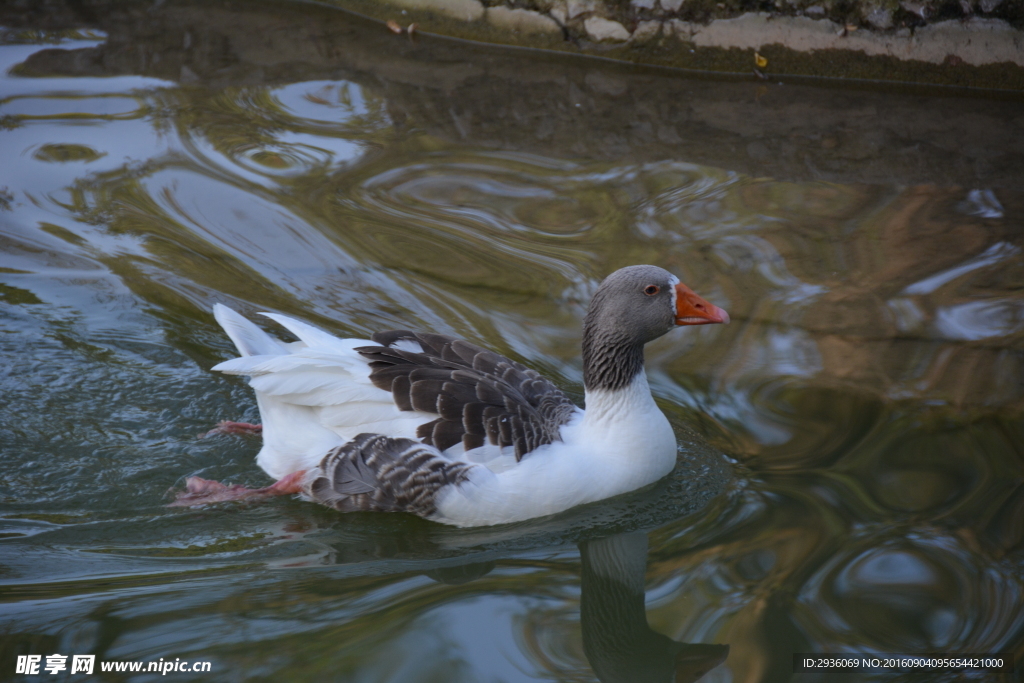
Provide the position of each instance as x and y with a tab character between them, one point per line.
634	306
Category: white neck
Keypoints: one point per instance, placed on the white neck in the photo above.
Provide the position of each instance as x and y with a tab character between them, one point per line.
626	426
605	405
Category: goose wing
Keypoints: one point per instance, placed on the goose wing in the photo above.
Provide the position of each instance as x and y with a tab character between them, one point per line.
377	473
480	397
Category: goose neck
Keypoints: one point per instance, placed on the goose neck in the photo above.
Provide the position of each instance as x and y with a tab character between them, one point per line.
608	406
610	362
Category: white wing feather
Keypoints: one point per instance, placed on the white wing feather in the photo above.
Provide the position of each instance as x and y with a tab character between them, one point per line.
316	387
249	339
316	338
295	360
313	396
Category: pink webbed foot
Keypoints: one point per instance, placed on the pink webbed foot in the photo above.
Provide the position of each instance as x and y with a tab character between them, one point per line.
199	491
228	427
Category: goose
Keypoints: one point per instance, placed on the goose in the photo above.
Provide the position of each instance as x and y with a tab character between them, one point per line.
444	429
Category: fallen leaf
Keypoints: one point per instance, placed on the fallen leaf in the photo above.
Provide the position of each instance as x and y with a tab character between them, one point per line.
760	61
393	25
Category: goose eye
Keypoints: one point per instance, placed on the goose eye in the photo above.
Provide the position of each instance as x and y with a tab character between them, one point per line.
651	290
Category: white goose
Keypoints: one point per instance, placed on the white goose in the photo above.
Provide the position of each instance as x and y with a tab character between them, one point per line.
446	430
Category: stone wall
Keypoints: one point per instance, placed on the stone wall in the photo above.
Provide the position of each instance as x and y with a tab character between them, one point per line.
967	43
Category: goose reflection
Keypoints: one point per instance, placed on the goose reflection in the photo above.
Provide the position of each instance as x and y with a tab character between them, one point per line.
618	642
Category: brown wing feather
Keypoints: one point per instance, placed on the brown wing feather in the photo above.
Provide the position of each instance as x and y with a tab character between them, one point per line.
479	396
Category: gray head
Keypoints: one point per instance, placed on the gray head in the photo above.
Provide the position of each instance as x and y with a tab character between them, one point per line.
633	306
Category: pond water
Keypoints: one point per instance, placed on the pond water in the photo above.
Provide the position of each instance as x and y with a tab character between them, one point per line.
851	466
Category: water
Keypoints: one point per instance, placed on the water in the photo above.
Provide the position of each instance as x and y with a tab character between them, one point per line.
851	473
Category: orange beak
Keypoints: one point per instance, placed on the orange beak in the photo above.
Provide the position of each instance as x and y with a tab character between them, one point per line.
692	310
